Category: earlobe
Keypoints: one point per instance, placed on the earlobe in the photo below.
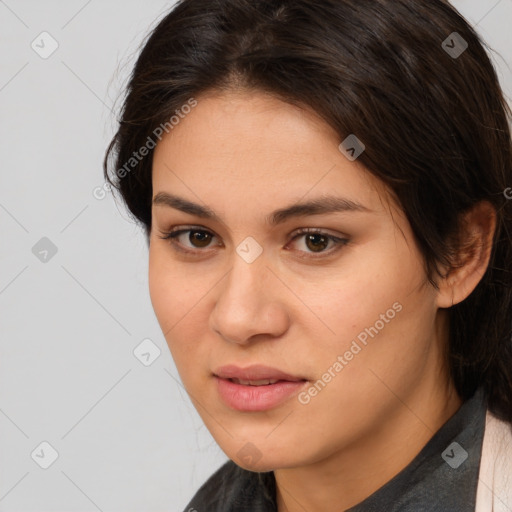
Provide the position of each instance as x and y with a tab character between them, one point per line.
472	257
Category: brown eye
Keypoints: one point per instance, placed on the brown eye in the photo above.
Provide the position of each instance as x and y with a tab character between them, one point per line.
199	238
312	240
188	240
316	242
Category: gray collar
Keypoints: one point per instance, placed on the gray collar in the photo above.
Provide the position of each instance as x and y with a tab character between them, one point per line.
443	477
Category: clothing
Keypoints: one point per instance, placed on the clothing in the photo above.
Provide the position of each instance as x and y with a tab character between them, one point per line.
495	480
473	475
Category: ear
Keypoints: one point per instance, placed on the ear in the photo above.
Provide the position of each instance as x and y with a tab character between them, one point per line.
472	257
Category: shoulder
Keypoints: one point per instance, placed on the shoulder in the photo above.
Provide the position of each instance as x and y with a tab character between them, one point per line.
231	489
494	492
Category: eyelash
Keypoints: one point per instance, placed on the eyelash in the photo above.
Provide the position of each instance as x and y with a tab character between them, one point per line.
172	235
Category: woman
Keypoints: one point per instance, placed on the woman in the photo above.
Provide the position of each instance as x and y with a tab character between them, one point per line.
323	186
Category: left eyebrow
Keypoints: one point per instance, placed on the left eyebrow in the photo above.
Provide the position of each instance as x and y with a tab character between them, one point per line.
318	206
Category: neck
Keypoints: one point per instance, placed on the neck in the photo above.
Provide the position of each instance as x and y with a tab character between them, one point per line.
350	475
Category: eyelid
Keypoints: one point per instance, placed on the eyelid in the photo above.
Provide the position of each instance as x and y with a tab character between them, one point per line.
339	242
176	231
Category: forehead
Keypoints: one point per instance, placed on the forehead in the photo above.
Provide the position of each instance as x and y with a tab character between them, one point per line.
238	146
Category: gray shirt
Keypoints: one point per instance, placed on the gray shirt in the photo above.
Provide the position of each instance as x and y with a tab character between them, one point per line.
443	477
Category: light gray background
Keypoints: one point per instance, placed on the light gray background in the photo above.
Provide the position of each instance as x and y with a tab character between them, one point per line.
126	434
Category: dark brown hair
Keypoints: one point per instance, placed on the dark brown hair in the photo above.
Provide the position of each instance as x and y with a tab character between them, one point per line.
432	116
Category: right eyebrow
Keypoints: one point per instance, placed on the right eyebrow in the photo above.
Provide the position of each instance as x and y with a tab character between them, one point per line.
318	206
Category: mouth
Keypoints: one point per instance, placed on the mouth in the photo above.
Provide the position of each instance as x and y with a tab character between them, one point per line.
255	375
256	388
263	382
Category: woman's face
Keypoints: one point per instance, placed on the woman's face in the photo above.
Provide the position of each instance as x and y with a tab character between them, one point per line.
350	319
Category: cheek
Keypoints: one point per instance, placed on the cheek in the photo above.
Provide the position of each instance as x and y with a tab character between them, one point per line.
346	302
163	289
179	298
380	304
173	292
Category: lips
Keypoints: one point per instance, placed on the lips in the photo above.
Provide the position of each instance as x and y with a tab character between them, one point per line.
256	388
256	374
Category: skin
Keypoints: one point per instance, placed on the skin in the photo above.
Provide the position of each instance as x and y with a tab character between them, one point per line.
244	155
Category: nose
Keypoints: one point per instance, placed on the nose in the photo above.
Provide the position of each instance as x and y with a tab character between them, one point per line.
250	303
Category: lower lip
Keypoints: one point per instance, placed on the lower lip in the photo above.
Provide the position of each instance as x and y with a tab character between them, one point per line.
256	398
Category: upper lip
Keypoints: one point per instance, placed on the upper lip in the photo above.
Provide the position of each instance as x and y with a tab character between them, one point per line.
254	372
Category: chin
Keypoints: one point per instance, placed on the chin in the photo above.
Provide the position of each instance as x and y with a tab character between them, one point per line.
249	457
